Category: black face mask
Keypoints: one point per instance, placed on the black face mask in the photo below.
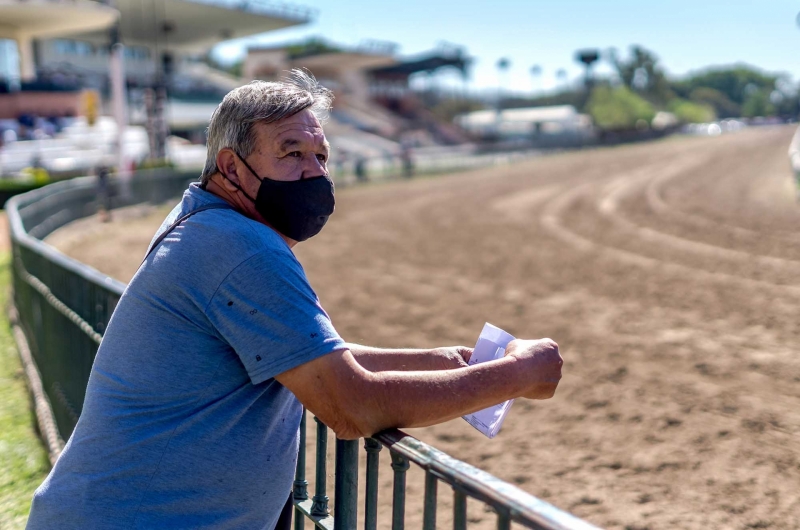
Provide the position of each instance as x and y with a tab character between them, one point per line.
297	209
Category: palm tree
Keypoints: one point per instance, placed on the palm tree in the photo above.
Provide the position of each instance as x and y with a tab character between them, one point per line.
536	72
503	65
561	75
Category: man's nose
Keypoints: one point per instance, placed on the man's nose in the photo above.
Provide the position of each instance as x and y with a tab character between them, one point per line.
313	167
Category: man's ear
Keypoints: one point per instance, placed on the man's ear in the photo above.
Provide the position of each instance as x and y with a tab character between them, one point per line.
226	162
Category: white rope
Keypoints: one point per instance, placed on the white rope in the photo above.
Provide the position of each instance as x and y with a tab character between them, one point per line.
60	306
41	405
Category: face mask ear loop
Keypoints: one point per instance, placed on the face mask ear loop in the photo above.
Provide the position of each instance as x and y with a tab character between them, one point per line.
248	167
235	184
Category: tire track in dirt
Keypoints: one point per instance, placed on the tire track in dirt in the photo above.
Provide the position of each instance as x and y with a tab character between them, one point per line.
678	215
552	220
611	194
608	205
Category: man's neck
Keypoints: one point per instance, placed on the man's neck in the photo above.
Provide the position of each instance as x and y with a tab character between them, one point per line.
236	199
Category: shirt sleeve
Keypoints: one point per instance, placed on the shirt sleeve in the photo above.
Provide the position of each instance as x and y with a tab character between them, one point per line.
268	313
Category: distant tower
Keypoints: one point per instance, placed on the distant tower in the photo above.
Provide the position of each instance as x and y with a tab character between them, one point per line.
588	58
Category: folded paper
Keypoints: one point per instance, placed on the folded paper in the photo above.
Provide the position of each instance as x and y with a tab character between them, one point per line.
491	345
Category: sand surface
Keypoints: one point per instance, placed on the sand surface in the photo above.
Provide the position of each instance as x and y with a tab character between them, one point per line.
668	272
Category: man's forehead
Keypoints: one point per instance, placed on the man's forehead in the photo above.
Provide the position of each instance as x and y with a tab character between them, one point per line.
293	128
299	132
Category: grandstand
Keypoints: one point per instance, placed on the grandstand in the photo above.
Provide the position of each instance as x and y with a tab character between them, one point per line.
376	111
64	46
63	49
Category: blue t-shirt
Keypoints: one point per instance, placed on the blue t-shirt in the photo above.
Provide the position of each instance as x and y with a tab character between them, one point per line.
184	425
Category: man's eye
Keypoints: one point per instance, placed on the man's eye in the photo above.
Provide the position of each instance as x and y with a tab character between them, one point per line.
295	154
322	158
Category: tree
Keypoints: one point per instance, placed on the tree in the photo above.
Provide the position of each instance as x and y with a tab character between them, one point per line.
691	112
641	73
616	109
503	65
536	72
758	103
723	107
561	75
732	82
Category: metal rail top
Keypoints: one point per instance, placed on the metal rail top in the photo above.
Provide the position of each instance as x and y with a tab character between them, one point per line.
502	496
20	236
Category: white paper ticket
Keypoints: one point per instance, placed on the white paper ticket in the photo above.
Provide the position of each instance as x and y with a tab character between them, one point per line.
491	345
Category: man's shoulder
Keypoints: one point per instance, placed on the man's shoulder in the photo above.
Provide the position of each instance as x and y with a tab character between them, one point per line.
210	244
222	232
224	239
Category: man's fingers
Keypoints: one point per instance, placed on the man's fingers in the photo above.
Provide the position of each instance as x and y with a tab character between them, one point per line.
544	362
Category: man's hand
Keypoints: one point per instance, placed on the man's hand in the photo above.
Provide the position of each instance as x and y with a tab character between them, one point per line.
541	360
451	357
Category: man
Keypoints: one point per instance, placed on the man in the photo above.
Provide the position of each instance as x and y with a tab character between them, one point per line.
193	405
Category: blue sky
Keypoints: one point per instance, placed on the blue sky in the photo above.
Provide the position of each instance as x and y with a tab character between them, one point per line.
685	34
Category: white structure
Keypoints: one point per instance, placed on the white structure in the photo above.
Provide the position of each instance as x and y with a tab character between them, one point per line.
67	42
78	148
165	33
528	122
28	20
64	46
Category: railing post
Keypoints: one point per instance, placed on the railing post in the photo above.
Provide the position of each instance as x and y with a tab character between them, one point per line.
400	466
320	506
429	515
373	448
503	520
459	509
345	507
300	487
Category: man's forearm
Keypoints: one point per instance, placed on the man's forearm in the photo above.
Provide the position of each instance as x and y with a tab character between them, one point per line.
403	360
357	402
381	400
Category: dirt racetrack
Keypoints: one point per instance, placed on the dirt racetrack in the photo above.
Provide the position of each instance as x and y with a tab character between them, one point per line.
668	272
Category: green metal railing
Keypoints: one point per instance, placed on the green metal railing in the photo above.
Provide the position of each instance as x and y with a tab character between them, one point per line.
64	307
510	503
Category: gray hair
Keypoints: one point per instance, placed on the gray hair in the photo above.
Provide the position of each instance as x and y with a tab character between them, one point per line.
232	123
